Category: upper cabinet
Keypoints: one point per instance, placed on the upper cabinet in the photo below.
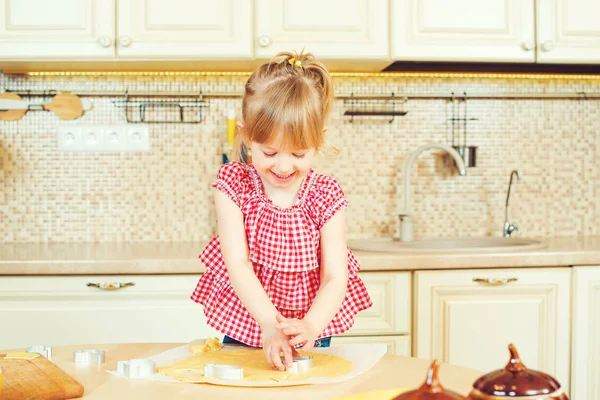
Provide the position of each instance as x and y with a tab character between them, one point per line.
549	31
41	29
184	29
463	30
332	29
568	31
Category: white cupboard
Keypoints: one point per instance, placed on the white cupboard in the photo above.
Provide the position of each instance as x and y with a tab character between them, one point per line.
463	30
67	29
64	310
332	29
568	31
464	321
585	363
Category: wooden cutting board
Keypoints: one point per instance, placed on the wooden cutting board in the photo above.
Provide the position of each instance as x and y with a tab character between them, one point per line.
37	379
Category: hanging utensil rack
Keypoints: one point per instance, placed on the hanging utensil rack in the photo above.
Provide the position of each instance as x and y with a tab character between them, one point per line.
168	110
386	107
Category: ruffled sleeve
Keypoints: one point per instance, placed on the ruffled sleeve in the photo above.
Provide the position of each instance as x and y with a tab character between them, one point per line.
329	199
232	179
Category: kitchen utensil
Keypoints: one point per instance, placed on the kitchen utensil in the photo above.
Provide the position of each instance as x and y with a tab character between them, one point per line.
65	105
46	351
300	364
11	115
516	381
222	371
88	357
37	379
468	153
431	388
136	368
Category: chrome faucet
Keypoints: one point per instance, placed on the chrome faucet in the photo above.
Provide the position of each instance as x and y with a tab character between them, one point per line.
406	229
509	228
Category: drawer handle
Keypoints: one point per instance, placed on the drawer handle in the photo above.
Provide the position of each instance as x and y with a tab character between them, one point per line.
111	285
495	281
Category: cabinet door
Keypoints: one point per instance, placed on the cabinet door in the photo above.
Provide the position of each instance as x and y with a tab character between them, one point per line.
471	324
185	29
64	310
585	367
57	29
390	314
397	345
568	31
332	29
463	30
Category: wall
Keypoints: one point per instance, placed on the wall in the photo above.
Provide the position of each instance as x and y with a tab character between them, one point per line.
164	195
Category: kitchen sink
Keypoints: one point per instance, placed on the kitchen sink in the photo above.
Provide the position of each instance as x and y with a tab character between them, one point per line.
447	245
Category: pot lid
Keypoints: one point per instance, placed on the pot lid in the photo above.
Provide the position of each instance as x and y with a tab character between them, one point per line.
431	388
516	380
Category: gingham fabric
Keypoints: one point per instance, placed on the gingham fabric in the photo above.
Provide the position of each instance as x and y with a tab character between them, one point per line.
284	248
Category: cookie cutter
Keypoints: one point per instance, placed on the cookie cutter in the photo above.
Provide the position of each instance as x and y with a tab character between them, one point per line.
46	351
88	357
300	364
223	371
136	368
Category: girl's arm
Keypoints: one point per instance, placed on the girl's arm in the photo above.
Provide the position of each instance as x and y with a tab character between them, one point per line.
234	247
334	273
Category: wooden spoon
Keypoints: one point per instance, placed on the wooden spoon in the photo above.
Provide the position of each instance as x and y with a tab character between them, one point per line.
11	115
65	105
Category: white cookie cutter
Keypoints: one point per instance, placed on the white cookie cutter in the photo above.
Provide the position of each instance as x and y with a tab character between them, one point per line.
222	371
136	368
300	364
88	357
46	351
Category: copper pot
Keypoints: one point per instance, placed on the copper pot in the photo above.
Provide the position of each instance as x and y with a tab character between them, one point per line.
516	381
431	388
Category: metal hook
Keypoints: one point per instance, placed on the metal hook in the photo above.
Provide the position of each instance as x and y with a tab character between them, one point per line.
393	109
352	106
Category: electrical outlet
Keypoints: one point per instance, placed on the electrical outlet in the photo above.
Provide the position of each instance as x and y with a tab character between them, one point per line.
103	138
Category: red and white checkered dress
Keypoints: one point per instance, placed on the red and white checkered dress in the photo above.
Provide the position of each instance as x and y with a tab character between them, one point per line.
284	248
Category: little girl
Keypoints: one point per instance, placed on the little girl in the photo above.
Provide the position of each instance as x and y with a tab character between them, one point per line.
279	274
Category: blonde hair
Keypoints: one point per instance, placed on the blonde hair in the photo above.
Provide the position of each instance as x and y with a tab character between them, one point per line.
292	92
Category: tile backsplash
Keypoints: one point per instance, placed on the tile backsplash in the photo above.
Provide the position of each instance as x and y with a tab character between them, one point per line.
164	194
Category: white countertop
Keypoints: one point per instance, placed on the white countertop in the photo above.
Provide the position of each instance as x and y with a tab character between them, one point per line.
182	258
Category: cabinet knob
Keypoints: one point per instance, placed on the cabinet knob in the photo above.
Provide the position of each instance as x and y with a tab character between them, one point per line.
264	41
104	41
528	46
110	285
495	281
547	45
124	41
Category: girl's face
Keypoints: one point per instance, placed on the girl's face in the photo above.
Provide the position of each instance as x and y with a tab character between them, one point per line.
279	167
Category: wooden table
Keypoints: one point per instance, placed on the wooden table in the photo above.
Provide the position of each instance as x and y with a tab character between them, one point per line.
390	372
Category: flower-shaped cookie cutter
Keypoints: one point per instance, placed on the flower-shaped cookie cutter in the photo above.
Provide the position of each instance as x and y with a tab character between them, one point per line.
223	371
88	357
46	351
136	368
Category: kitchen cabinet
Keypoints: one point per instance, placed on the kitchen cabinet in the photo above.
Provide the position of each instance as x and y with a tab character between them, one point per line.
559	31
585	363
63	310
390	314
101	30
333	29
398	345
462	320
41	29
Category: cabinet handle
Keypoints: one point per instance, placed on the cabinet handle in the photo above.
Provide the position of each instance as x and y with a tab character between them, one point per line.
528	46
495	281
104	41
125	41
110	285
547	45
264	41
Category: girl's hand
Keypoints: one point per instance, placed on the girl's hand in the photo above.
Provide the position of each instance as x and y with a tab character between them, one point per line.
274	342
301	331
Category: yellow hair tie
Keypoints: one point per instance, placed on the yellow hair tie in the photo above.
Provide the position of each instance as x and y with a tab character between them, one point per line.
295	62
